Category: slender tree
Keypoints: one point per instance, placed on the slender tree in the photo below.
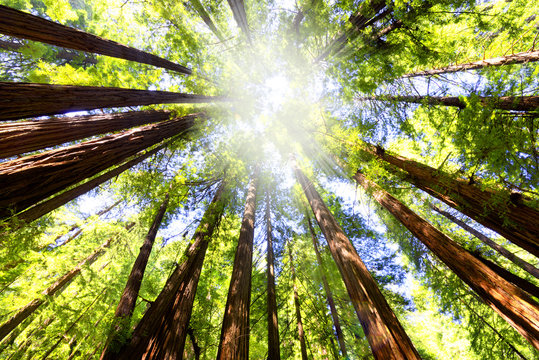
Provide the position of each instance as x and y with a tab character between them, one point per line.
532	270
489	207
23	100
518	58
297	307
25	181
199	8
273	324
234	342
21	137
327	289
510	302
382	328
23	25
162	331
238	10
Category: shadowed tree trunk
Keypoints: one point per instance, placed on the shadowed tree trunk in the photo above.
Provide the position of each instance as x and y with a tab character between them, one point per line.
197	5
299	322
23	25
128	300
23	100
162	331
273	324
327	289
234	342
518	58
487	241
488	207
20	137
517	103
26	181
238	10
510	302
382	328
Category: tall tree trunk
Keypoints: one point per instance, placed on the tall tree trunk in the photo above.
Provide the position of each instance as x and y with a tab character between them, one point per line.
21	137
28	180
197	5
58	285
273	324
487	241
23	25
59	54
488	207
327	289
23	100
517	103
299	322
47	206
518	58
238	10
382	328
234	342
162	331
511	303
128	300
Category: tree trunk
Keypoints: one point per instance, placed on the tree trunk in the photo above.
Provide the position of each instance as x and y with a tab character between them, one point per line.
23	25
26	181
382	328
238	10
234	342
197	5
47	206
301	332
273	324
517	103
58	285
128	300
23	100
60	54
518	58
162	331
511	303
500	249
327	289
488	207
21	137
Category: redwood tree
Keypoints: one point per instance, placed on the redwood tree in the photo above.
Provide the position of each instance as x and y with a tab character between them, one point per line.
297	308
273	324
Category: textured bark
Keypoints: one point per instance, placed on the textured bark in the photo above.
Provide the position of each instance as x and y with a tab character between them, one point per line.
329	293
510	302
28	180
197	5
238	10
517	103
518	58
488	207
163	329
487	241
234	342
382	328
21	137
299	322
23	25
57	286
47	206
273	324
23	100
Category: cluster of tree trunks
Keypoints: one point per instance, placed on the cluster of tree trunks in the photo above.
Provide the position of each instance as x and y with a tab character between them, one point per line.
273	324
509	301
382	328
26	181
238	10
23	25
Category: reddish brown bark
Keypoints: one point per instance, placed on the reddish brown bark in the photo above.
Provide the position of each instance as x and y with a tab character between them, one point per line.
488	207
234	342
518	58
510	302
23	25
238	10
329	293
58	285
299	322
23	100
20	137
273	324
382	328
25	181
163	329
486	240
